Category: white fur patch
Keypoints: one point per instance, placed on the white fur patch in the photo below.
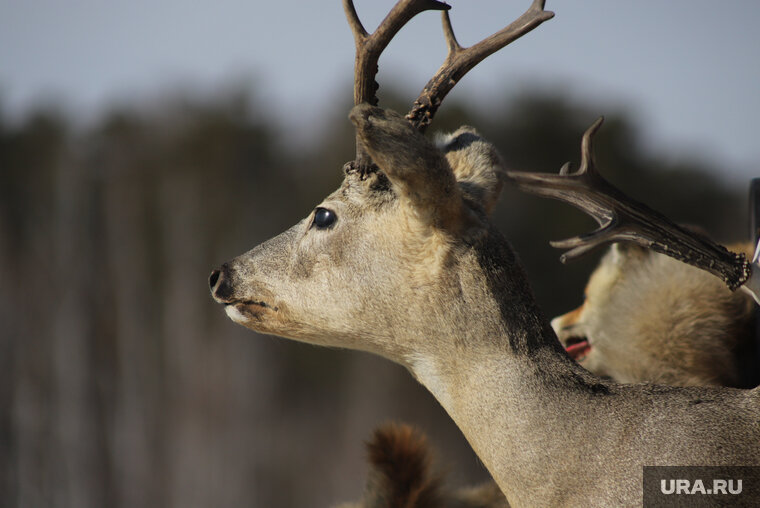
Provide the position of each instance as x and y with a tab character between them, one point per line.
234	314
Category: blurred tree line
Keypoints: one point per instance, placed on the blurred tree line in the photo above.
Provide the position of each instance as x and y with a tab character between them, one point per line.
122	384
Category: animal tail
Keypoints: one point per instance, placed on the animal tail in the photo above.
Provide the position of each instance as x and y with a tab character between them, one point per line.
400	469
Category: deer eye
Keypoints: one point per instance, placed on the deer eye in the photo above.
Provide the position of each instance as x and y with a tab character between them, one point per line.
323	218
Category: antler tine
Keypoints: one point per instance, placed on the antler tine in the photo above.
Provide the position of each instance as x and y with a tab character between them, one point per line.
370	46
588	163
460	60
448	33
354	22
622	218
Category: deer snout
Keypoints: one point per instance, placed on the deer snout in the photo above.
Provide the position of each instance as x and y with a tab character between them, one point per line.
219	283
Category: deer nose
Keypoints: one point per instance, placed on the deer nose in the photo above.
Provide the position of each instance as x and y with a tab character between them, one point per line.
219	283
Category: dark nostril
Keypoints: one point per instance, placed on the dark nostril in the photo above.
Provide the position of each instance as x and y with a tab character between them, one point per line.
213	278
219	280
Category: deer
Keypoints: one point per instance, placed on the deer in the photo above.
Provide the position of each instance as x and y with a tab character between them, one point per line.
403	261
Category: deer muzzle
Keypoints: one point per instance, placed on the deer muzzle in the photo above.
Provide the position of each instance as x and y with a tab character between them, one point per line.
222	286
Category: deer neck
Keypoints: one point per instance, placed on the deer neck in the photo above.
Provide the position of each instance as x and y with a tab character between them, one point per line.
507	383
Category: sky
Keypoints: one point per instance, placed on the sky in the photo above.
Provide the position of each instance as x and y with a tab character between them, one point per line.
688	69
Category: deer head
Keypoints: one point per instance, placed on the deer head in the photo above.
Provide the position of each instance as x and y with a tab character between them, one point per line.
381	253
380	257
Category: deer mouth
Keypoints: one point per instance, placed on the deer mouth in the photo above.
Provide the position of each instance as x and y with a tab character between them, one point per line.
577	347
242	311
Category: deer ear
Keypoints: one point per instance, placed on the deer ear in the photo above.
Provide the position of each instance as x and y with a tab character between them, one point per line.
416	168
477	166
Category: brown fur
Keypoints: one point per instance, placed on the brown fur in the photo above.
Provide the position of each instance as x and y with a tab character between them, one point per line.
401	476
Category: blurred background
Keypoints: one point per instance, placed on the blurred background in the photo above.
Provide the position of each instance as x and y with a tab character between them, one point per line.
142	145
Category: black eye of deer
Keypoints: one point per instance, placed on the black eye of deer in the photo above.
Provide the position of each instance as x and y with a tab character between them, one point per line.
324	218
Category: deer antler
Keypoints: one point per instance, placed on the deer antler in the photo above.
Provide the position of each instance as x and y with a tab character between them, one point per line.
369	47
624	219
460	60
